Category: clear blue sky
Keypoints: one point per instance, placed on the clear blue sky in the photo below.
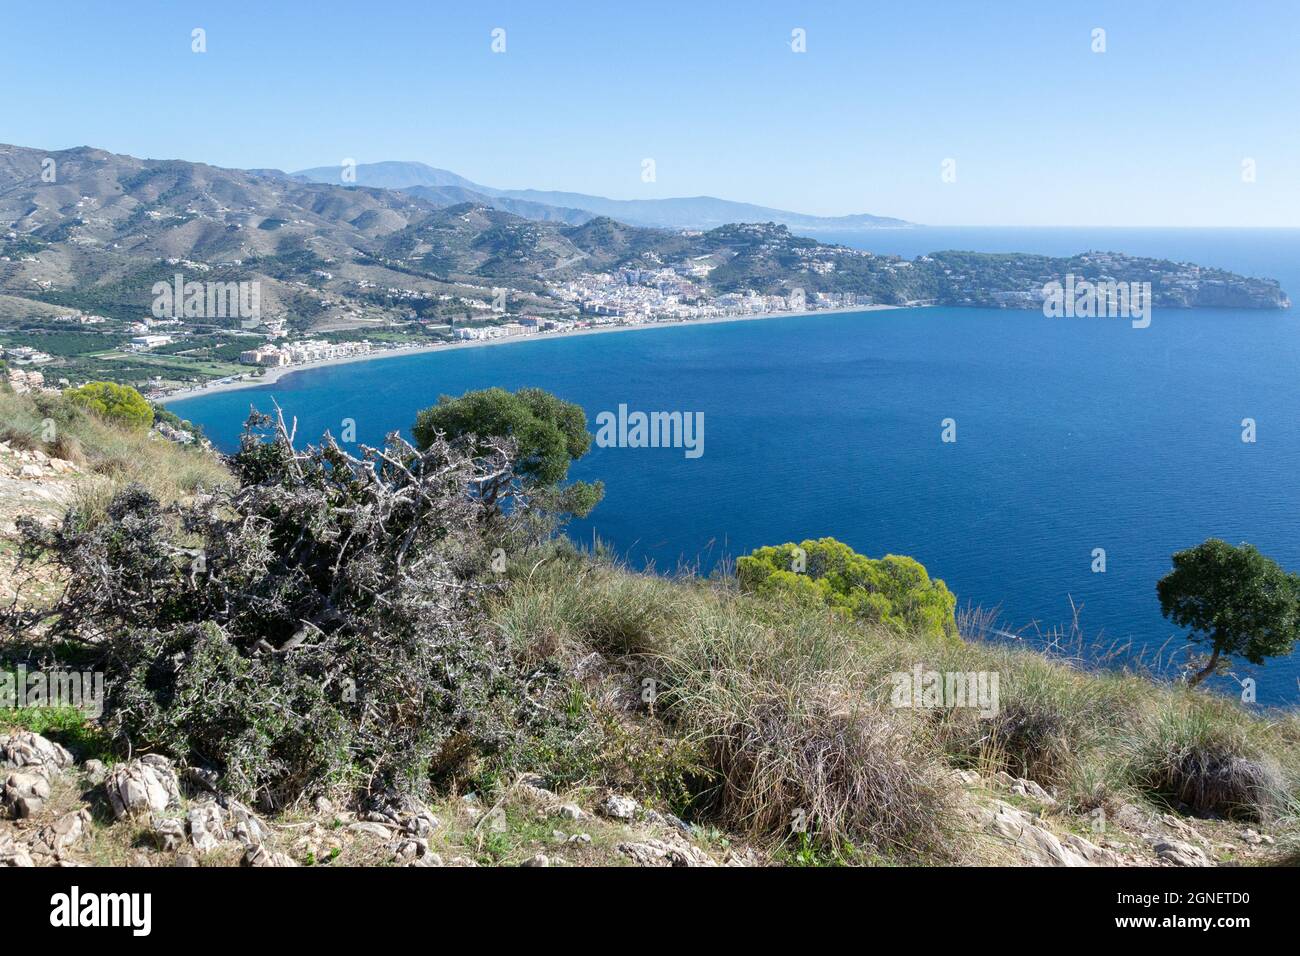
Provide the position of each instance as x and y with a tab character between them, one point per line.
1043	130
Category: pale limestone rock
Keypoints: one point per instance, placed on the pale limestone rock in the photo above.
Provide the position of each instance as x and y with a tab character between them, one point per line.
259	855
747	858
57	838
662	853
170	832
1027	788
13	853
1177	853
26	749
372	829
207	829
244	824
569	811
1035	844
412	849
618	807
25	792
145	785
1095	855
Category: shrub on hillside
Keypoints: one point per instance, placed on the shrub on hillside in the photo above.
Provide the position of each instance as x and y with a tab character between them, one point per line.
1201	759
776	702
893	591
548	435
119	404
317	622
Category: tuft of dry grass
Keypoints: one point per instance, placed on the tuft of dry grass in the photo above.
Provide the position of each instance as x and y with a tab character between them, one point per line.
1211	762
824	762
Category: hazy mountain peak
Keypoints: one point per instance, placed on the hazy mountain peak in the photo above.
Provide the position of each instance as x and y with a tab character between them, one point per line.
390	175
685	212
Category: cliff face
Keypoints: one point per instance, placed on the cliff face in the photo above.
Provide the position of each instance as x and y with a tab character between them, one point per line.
1225	295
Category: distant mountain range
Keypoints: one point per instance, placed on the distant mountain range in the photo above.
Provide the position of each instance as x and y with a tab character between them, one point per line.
443	187
92	231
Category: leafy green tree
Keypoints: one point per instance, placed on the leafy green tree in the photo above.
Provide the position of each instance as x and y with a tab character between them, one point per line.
549	434
1235	599
120	404
895	591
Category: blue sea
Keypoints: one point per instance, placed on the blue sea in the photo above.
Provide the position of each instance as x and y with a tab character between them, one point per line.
1072	434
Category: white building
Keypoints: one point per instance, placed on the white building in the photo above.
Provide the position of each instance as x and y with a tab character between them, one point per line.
141	343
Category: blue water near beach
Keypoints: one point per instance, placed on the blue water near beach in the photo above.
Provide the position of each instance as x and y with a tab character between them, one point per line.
1072	434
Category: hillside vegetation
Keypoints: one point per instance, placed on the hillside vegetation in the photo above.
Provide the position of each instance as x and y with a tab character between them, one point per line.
791	707
301	625
112	454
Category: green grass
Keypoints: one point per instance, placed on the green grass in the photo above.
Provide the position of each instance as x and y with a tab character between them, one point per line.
185	365
64	725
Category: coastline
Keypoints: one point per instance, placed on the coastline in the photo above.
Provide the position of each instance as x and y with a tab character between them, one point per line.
273	375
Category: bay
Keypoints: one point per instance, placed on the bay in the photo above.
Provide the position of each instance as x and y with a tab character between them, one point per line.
1072	435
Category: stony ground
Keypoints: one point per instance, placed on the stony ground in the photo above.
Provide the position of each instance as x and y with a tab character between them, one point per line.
145	812
1030	828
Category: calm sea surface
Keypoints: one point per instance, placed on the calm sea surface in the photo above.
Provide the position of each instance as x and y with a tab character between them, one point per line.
1071	434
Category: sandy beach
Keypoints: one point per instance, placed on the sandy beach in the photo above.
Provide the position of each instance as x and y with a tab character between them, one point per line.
273	375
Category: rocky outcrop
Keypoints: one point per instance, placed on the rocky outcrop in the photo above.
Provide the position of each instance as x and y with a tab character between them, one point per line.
207	826
63	835
32	463
24	790
259	855
1035	844
26	749
1027	833
615	806
193	823
24	793
656	852
1021	787
147	785
1178	853
401	813
13	853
